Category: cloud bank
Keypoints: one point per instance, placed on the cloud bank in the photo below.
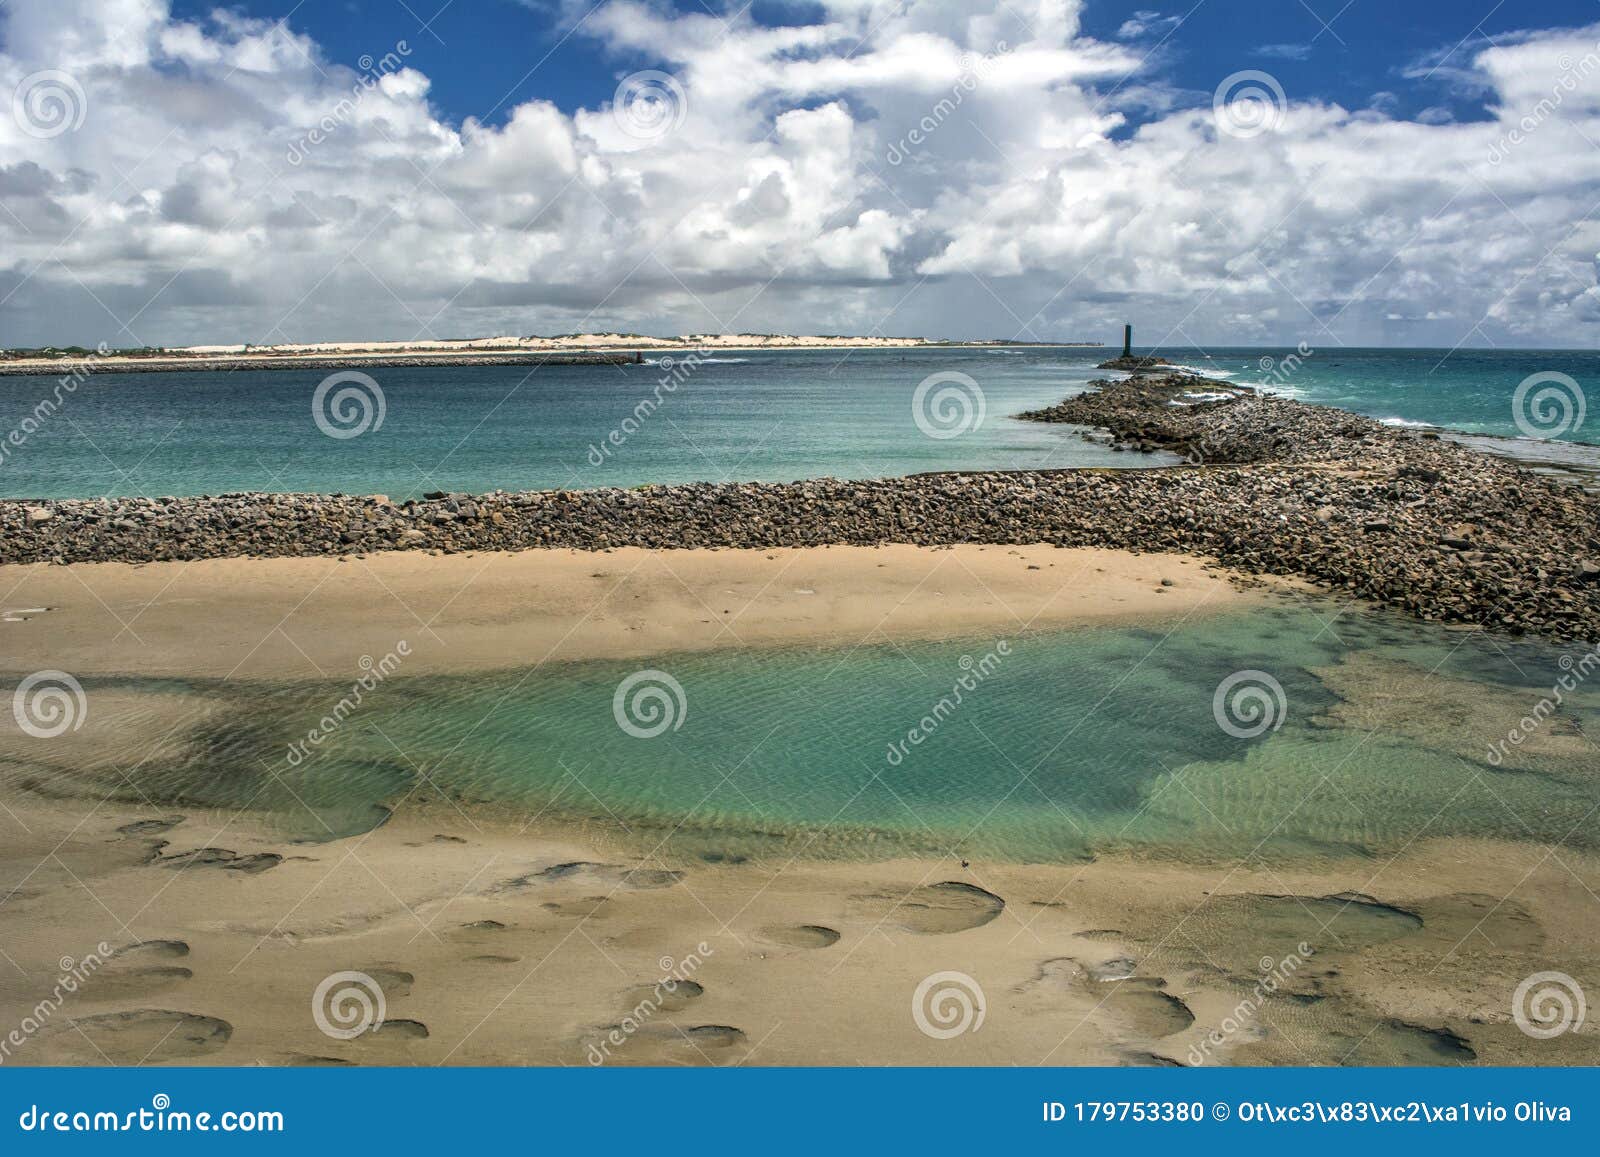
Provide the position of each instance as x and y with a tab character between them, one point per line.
938	168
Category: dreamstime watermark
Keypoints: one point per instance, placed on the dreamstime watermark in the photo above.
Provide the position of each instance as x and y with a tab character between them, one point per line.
74	974
48	103
1274	974
353	409
973	71
347	1004
674	374
1548	404
1249	703
1577	670
373	674
649	105
372	74
1571	73
947	1004
974	672
1279	371
159	1118
1548	1004
49	703
948	404
1249	103
46	408
675	974
649	702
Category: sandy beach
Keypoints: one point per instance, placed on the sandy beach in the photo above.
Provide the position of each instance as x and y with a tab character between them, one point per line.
202	936
488	350
512	944
293	617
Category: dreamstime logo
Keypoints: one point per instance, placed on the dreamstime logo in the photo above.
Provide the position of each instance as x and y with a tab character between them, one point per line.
1280	370
47	408
372	74
372	675
1275	974
972	71
352	410
1249	103
49	103
1571	80
347	1004
647	703
49	703
973	673
948	404
674	974
649	105
947	1004
1548	1004
1548	405
1249	703
673	374
1574	670
74	975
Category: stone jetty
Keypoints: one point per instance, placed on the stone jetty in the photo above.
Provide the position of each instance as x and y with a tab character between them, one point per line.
1271	486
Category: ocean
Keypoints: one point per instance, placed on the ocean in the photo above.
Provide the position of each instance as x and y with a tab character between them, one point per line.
768	416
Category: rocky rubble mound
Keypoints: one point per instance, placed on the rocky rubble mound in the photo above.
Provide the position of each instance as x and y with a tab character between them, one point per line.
1279	487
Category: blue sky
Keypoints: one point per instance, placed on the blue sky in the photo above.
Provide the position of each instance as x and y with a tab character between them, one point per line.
1228	172
480	53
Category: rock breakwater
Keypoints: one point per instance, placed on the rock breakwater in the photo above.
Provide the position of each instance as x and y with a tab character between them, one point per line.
1276	487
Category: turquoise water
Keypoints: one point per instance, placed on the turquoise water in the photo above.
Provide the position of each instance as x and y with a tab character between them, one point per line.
773	416
1064	744
1468	389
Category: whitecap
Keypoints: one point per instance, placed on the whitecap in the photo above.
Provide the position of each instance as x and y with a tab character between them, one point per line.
1204	372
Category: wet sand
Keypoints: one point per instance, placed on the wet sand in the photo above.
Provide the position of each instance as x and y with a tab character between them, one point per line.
293	617
518	940
497	944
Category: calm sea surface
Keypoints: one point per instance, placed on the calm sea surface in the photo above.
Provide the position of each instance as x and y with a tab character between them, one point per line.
759	416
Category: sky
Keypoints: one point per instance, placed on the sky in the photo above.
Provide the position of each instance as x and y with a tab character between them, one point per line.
1220	172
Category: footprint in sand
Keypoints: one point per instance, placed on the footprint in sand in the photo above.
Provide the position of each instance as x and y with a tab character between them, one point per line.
938	909
394	981
140	1036
1140	1059
1503	922
306	1060
131	970
1394	1042
1131	1006
394	1030
800	935
219	858
478	932
1234	933
656	1044
647	999
150	827
589	907
152	950
586	872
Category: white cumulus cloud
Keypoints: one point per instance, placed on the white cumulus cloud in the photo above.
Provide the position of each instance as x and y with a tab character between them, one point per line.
945	168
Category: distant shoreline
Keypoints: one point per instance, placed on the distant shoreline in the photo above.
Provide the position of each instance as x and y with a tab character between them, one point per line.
577	349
